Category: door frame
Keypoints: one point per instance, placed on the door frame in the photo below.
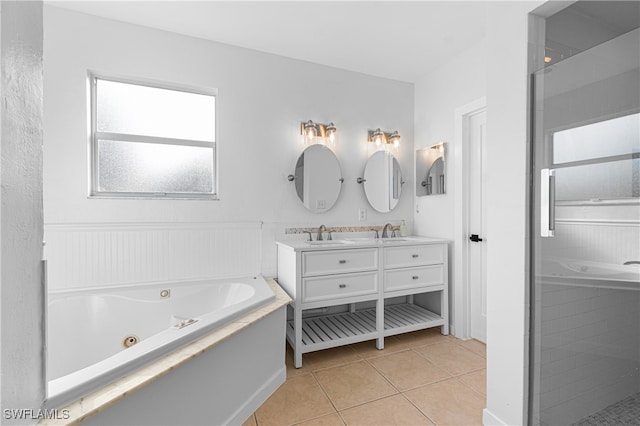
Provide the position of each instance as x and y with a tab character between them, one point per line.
461	326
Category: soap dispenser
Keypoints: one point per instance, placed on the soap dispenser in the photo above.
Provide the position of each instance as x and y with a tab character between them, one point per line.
403	229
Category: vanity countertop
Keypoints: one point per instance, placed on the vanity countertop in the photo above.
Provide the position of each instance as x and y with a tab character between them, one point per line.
351	243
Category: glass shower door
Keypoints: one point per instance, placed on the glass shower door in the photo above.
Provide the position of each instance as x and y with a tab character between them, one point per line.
585	284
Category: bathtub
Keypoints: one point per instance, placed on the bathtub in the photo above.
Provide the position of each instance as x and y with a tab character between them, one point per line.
585	273
96	336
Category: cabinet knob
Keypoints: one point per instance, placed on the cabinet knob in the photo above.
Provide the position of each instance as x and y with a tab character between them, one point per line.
342	285
342	261
415	277
414	255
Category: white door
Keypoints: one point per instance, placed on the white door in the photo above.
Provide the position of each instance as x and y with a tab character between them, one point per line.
477	273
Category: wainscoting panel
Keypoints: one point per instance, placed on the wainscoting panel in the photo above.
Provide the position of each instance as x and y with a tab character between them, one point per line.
596	240
90	255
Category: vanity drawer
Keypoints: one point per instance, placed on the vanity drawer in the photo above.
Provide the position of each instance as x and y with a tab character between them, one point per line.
409	278
339	286
406	256
339	261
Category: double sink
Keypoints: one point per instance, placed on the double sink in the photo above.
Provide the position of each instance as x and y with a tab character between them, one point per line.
389	240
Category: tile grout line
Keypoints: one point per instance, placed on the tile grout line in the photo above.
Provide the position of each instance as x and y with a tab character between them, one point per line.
418	408
324	392
361	354
383	376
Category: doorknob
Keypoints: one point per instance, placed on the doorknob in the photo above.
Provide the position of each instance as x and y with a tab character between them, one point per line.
475	238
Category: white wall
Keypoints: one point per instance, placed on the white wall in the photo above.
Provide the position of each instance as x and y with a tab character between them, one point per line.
22	369
507	135
262	99
496	68
438	94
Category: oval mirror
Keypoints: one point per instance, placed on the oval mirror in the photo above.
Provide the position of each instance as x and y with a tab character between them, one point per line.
318	178
383	181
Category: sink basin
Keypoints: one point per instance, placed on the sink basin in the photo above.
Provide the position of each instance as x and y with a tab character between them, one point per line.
328	242
394	240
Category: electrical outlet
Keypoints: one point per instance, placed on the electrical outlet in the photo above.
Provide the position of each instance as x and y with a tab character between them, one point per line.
362	214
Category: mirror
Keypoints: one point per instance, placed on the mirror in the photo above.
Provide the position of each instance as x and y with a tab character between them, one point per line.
430	172
318	178
382	181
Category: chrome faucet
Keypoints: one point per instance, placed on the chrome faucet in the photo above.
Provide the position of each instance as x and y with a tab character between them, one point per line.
385	229
320	231
632	262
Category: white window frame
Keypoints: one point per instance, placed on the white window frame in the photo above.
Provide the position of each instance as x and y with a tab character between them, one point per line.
95	135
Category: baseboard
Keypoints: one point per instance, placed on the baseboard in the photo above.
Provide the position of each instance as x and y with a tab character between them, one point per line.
258	398
490	419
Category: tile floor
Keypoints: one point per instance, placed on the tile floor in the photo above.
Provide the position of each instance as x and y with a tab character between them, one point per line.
420	378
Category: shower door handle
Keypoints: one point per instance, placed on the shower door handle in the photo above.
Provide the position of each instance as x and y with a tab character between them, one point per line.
547	202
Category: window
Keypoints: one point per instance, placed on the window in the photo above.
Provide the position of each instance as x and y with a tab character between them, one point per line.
151	141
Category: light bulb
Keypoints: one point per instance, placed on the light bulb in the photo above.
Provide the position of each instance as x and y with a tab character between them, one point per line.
330	133
310	131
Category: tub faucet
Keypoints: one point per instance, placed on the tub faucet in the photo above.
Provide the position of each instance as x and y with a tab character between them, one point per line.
320	231
632	262
387	227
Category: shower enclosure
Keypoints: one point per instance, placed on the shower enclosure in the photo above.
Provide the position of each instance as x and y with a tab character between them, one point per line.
585	218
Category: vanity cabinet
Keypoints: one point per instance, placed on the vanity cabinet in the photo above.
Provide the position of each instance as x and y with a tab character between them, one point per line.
375	283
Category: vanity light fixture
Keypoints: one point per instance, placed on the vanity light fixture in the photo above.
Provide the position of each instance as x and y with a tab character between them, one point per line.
385	139
317	132
438	147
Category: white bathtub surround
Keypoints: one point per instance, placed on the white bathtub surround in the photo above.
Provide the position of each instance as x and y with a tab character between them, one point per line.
97	336
222	353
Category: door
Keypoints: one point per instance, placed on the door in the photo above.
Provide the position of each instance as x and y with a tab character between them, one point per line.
477	272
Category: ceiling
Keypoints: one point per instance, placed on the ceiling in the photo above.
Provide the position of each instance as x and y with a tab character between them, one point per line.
393	39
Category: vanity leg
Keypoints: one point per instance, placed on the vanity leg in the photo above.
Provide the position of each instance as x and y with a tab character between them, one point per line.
352	307
380	323
444	309
297	350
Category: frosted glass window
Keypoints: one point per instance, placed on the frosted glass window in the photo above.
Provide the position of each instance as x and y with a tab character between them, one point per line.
152	141
607	138
151	111
155	168
617	179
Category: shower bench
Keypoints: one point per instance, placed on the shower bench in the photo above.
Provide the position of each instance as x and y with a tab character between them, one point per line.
349	291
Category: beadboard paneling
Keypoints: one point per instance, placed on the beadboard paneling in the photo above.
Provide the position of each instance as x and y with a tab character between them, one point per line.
88	255
596	240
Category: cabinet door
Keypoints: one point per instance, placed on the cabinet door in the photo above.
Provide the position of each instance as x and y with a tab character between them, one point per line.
407	256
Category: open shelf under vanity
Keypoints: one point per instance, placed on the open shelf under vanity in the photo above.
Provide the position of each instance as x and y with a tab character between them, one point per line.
326	331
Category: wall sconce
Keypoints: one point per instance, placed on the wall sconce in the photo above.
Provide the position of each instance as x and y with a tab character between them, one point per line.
314	131
385	139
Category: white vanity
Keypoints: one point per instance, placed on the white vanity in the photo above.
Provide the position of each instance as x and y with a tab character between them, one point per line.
378	282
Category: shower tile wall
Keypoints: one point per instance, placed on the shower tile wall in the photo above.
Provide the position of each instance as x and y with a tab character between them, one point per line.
590	350
591	345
